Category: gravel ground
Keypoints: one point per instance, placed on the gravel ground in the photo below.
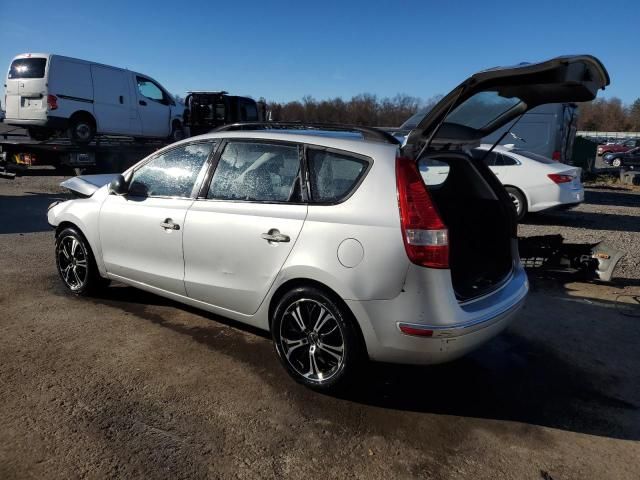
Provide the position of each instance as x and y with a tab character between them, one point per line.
129	385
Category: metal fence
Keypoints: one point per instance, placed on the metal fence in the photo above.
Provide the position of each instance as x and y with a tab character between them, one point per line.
597	134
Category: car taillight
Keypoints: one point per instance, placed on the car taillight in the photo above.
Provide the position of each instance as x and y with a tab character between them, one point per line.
560	178
426	238
52	102
555	156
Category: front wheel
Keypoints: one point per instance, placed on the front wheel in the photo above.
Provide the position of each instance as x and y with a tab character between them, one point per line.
76	264
519	202
616	162
316	339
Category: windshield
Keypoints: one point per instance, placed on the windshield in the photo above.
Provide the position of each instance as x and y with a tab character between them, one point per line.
27	68
533	156
482	109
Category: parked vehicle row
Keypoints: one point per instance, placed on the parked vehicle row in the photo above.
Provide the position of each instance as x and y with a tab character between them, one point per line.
289	230
629	158
619	147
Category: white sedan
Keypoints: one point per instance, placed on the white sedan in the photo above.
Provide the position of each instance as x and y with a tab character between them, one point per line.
534	182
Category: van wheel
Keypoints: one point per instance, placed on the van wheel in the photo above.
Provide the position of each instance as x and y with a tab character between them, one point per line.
40	134
519	202
177	133
316	339
81	130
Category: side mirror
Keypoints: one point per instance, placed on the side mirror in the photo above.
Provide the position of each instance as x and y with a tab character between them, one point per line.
118	186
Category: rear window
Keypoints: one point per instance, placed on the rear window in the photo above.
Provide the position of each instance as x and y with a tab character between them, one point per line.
27	68
333	175
534	156
482	109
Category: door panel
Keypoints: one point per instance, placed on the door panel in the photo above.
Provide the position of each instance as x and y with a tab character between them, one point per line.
154	114
137	247
112	100
227	262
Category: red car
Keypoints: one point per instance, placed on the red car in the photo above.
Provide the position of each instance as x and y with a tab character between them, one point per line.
618	147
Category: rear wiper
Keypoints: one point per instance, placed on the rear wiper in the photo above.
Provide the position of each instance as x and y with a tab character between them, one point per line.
507	131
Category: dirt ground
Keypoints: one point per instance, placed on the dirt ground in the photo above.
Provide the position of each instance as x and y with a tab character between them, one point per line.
129	385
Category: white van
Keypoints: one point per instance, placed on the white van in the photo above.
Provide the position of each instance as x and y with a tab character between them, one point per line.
48	93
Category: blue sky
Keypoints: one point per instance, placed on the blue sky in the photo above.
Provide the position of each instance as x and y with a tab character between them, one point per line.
285	50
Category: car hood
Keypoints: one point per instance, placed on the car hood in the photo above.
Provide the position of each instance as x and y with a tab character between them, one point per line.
86	185
492	98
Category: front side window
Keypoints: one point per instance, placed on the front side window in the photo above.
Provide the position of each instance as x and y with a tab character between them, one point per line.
333	175
257	172
149	90
27	68
172	173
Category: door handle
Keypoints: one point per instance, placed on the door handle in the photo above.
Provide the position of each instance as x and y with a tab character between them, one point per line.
274	235
121	98
143	103
169	225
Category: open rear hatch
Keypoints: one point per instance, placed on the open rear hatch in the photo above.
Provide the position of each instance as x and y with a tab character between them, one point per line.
473	204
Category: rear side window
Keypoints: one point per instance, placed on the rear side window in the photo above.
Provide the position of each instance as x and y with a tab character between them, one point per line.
172	173
27	68
333	175
257	172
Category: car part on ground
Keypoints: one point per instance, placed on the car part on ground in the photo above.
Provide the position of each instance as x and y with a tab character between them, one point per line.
549	252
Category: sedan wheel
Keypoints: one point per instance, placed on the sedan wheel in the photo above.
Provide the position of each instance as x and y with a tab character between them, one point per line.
75	263
314	339
519	202
616	162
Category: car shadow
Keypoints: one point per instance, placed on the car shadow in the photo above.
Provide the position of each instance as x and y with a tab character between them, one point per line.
26	213
531	373
585	220
614	196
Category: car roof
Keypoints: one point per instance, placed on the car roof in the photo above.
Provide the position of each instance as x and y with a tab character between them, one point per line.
339	140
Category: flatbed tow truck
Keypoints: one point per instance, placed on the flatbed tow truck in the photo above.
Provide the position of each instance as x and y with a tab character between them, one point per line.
106	154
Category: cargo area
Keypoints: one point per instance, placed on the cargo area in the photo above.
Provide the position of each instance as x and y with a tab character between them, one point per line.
479	219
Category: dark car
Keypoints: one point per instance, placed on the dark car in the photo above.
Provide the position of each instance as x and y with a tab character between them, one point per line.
620	147
208	110
629	158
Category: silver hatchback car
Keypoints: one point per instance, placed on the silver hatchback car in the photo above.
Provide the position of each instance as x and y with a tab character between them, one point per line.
341	243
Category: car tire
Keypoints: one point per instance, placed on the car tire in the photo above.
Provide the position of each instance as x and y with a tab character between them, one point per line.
519	202
316	339
40	134
76	264
81	129
177	133
616	162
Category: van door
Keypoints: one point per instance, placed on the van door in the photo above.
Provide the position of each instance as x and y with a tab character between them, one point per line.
112	100
154	106
26	88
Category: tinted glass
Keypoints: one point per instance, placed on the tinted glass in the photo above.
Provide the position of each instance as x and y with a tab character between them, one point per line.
248	112
257	172
28	68
434	172
504	160
172	173
333	175
149	89
488	159
481	109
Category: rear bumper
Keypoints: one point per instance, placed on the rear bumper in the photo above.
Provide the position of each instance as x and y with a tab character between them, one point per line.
54	123
456	328
554	197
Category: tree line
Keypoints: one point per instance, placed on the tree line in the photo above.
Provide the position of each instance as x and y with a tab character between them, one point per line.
366	109
609	115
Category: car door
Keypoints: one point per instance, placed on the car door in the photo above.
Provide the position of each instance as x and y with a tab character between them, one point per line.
239	234
141	232
111	100
154	106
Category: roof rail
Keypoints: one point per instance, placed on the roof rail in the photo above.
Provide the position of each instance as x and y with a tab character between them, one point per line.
368	133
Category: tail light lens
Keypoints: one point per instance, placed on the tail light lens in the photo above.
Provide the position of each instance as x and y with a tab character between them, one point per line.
426	238
555	156
52	102
560	178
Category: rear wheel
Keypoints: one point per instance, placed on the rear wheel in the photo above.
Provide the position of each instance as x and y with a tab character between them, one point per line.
519	202
40	134
76	264
81	129
316	339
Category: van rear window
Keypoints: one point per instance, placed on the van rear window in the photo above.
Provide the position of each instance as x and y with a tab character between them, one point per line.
27	68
